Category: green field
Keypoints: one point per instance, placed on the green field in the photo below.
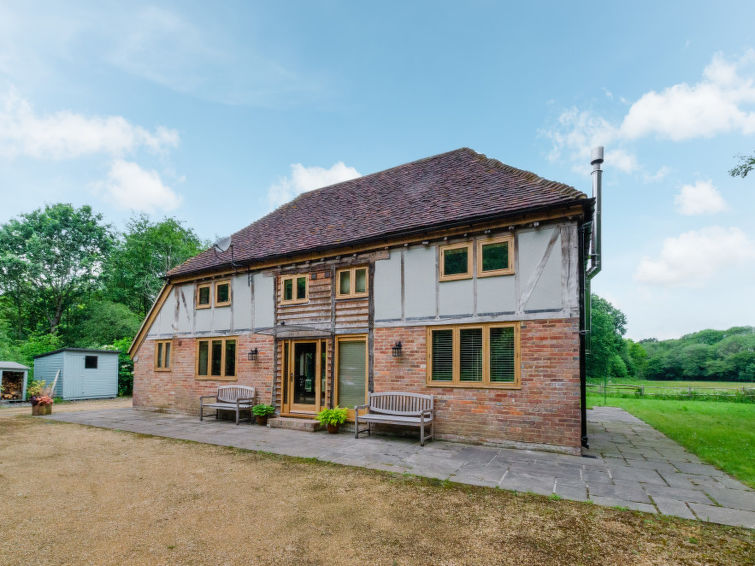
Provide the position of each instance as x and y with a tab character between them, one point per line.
720	433
667	383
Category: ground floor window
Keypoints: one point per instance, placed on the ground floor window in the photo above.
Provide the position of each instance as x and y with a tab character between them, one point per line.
485	355
216	358
162	355
351	369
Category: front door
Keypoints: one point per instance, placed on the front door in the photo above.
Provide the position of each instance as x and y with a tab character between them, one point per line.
304	371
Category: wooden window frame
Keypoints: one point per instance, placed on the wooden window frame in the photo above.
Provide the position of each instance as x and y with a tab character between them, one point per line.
294	300
215	293
485	383
196	300
209	376
441	263
508	238
162	343
352	282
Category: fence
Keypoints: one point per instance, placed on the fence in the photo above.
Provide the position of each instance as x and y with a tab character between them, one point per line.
744	393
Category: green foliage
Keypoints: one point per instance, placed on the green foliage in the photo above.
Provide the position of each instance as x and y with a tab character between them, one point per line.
125	365
34	387
745	165
334	417
606	340
102	322
263	410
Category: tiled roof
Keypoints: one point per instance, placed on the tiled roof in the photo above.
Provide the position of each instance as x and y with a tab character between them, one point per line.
461	185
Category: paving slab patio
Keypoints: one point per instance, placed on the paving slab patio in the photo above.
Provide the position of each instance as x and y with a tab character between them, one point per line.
629	464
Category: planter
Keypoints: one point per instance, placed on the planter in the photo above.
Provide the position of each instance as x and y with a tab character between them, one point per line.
333	428
38	410
261	420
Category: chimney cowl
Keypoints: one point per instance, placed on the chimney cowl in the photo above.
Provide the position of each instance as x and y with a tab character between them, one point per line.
597	155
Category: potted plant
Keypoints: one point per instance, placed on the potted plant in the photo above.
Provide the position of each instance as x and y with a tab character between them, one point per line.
262	412
332	418
41	405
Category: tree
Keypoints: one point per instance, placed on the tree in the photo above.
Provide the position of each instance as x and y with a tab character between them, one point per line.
148	250
746	164
49	259
102	322
606	340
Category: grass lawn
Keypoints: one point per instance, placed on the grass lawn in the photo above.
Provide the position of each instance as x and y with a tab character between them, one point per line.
720	433
74	494
666	383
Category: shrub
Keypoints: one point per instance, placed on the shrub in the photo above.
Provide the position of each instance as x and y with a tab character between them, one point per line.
263	410
334	417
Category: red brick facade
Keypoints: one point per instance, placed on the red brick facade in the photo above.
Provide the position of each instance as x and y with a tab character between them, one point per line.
544	411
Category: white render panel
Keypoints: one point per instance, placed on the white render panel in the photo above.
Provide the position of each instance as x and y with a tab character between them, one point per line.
547	292
496	294
420	279
387	287
242	302
221	318
456	297
264	305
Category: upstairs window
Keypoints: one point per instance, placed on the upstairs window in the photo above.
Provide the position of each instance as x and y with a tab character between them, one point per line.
351	282
455	261
294	289
495	256
203	295
222	293
474	356
216	358
90	362
162	355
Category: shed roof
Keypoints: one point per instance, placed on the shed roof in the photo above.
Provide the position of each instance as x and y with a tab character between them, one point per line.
432	193
88	350
13	366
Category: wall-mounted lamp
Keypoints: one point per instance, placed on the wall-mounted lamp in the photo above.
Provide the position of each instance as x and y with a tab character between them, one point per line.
252	355
396	349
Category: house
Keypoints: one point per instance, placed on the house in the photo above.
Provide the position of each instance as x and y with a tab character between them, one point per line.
84	373
454	275
13	381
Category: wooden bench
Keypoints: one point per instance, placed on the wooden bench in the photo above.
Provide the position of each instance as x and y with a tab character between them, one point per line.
236	398
397	408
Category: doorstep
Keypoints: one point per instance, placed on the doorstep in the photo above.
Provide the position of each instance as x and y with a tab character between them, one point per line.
293	423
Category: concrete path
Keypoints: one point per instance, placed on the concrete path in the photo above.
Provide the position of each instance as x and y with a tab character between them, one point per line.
629	464
15	409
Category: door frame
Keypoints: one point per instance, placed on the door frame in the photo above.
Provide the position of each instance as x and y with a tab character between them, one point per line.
351	338
289	407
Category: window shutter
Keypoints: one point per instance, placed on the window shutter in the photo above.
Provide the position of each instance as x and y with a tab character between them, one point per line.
442	355
470	352
502	355
352	364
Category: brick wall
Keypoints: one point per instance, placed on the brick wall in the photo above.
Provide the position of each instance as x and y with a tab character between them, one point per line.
545	411
178	389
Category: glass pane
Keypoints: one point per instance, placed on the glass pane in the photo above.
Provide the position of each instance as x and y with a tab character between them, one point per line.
502	355
159	355
495	256
455	262
470	352
230	358
323	370
301	287
442	355
204	350
167	355
305	370
284	372
344	282
352	364
204	295
360	281
288	289
216	358
223	293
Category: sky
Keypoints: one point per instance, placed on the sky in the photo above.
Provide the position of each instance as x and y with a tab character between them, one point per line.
216	113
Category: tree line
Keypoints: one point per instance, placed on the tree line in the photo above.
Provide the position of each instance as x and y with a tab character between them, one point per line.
68	279
710	355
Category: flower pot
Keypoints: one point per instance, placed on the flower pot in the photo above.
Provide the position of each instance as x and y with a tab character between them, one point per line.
261	420
333	428
37	410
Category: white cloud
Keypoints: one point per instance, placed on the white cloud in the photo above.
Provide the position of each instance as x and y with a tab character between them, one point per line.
305	179
65	134
700	198
722	101
692	258
622	160
130	187
658	175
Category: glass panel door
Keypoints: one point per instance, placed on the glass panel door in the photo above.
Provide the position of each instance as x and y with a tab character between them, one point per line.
352	373
304	379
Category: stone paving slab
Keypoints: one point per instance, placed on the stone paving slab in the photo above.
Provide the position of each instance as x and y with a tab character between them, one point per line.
629	464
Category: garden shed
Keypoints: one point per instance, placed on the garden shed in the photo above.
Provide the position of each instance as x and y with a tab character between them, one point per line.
84	373
13	381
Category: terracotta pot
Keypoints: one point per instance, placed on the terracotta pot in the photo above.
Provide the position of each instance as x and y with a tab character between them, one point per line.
333	428
261	420
37	410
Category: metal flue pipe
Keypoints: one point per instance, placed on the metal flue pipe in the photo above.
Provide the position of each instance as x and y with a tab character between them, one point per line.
596	256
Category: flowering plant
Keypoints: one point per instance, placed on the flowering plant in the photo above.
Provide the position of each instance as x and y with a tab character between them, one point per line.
44	400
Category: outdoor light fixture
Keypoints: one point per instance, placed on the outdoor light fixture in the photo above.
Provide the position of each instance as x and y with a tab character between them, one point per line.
396	349
252	355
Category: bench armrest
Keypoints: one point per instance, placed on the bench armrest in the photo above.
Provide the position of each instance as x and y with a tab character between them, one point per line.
361	407
208	397
244	399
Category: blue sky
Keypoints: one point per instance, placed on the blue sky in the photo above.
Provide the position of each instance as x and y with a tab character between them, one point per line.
214	113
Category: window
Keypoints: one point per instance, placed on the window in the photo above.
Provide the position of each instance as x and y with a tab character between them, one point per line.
222	293
294	289
203	295
90	362
455	261
216	358
495	256
484	355
162	355
351	282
